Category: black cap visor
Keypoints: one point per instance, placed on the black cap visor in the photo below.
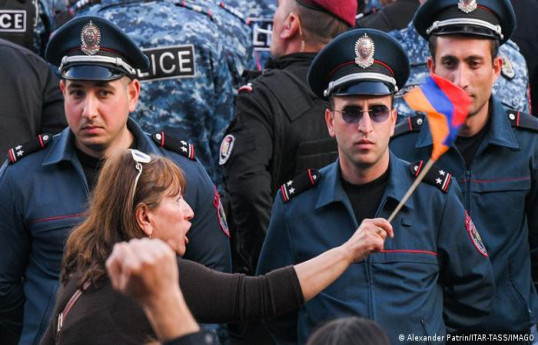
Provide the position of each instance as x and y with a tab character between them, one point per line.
93	72
467	30
366	88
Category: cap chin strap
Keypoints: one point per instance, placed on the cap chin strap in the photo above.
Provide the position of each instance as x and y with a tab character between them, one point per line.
97	58
465	21
359	76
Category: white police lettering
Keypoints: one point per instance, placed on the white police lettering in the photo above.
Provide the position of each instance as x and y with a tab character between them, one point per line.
12	21
261	33
169	63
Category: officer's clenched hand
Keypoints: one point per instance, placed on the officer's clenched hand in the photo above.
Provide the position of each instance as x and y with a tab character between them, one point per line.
369	237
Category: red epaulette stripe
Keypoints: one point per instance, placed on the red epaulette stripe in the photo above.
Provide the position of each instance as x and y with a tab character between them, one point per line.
191	155
12	157
41	140
447	182
284	194
310	175
410	123
162	139
517	119
419	168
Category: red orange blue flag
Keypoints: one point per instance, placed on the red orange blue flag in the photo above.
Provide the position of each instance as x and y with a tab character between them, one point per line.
446	106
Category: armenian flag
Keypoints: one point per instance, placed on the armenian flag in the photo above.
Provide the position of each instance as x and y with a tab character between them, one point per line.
446	106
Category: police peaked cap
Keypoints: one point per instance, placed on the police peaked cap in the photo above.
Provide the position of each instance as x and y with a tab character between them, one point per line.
494	19
92	48
359	62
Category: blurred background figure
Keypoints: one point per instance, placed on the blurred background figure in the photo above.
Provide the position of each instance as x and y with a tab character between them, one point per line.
31	102
525	36
349	331
394	15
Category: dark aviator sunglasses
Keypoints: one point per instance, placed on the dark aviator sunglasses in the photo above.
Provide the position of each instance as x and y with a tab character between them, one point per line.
353	114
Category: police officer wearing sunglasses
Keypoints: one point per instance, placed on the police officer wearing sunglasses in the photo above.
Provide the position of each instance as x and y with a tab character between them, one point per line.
434	276
44	194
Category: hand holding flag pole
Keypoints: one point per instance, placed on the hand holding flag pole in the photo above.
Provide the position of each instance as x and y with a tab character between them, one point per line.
446	106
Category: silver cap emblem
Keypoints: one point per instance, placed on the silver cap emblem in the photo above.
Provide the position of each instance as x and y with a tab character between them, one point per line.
467	6
364	51
90	36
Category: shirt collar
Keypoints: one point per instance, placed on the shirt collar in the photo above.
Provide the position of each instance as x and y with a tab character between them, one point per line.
332	190
63	149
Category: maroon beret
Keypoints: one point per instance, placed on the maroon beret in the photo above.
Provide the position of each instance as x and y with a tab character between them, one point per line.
346	10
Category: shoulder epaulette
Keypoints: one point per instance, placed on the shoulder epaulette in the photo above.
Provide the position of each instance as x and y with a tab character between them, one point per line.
195	8
20	151
171	143
299	184
437	177
522	120
233	11
410	124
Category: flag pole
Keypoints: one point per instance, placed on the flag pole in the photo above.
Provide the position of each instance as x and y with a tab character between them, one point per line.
414	186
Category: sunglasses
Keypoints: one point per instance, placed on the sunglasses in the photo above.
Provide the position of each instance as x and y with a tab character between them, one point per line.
139	158
353	114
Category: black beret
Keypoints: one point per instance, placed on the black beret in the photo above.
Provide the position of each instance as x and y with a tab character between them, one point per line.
92	48
493	19
359	62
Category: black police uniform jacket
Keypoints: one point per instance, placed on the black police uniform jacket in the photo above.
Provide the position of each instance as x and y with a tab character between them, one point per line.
278	130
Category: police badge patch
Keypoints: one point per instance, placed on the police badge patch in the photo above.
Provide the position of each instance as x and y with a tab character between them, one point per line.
364	51
475	236
226	147
467	6
221	215
90	37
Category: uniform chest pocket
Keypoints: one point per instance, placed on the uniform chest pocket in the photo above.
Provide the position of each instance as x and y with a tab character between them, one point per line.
405	268
48	239
501	184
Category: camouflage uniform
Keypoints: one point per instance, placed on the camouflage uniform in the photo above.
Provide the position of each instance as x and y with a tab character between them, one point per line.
236	37
513	82
259	15
187	90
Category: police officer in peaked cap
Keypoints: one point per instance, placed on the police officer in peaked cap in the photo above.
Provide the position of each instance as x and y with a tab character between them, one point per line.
493	19
92	48
51	180
374	65
431	267
495	151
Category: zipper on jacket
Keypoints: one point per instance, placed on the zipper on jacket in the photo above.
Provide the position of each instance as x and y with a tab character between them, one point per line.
424	328
468	175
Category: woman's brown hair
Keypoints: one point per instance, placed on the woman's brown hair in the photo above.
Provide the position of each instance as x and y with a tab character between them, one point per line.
111	214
